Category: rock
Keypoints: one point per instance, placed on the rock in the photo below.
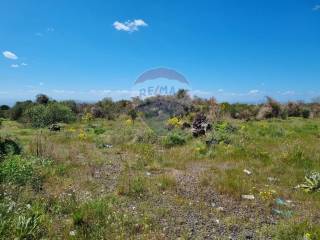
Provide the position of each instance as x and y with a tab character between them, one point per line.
54	127
246	171
272	179
200	125
248	197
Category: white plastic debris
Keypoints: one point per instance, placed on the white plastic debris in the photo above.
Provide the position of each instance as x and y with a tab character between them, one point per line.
248	197
246	171
272	179
72	233
220	209
148	174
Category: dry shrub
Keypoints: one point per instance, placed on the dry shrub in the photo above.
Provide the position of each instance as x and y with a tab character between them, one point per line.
270	109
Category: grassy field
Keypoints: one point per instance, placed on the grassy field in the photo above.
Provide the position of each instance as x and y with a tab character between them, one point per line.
104	179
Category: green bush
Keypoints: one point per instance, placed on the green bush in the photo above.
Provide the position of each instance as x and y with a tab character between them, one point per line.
16	170
9	147
4	111
147	136
174	139
23	171
43	115
306	113
19	108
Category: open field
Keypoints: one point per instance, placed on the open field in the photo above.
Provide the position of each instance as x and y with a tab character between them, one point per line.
115	179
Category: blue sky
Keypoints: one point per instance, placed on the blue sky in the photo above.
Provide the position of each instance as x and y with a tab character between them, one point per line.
233	50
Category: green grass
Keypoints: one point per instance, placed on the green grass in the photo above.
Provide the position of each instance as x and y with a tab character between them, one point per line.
67	187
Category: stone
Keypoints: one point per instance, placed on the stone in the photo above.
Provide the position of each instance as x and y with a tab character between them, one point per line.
248	197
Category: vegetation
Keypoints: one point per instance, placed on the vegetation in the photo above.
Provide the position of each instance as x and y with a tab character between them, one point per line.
100	176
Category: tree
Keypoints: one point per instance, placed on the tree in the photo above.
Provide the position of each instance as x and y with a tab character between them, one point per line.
18	109
42	99
4	107
133	114
97	112
4	111
182	93
43	115
71	104
108	108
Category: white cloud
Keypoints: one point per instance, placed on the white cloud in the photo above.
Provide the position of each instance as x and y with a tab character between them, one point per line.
290	92
14	65
61	91
129	26
316	7
10	55
24	64
50	29
254	92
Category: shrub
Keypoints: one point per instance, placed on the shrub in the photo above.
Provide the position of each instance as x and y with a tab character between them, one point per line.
19	108
174	122
241	111
97	112
133	114
174	139
16	170
4	111
294	109
147	136
108	107
42	99
45	115
312	183
4	107
37	116
271	109
306	113
71	104
57	112
9	147
87	117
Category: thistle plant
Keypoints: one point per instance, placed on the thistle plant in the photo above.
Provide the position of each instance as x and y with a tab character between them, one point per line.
312	183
